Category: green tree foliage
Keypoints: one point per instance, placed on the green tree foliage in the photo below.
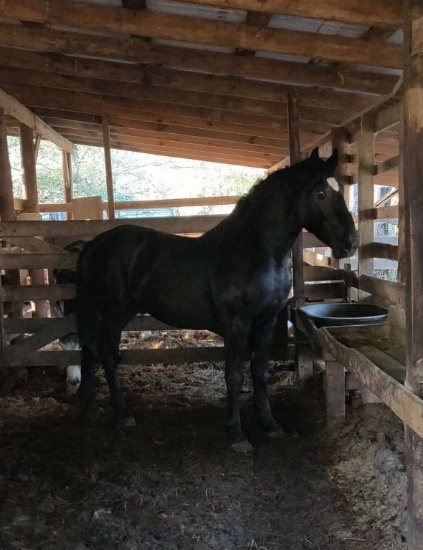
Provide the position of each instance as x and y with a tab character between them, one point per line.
136	176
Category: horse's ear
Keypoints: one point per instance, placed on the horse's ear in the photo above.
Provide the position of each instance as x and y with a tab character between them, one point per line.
315	154
331	163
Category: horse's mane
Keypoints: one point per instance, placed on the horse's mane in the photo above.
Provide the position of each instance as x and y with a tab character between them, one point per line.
285	179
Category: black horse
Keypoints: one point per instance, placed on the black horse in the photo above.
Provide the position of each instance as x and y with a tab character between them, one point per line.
233	280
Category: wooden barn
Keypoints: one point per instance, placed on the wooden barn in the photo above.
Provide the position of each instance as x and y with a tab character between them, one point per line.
242	82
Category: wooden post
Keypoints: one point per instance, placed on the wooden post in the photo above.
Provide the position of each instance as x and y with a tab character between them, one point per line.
29	169
7	210
295	156
401	277
335	391
413	226
303	363
341	141
366	163
28	159
109	173
67	180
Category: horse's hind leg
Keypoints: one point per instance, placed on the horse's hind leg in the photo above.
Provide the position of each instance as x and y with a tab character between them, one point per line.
235	349
110	356
261	339
86	390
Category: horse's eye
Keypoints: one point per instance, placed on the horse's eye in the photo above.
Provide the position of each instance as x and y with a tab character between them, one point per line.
321	194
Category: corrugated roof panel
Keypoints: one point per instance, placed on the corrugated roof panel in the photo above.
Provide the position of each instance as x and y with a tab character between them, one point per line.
197	10
397	37
105	2
379	70
192	45
331	28
307	24
289	22
283	57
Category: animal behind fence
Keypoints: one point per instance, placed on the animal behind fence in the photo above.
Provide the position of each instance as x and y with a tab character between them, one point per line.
233	280
63	308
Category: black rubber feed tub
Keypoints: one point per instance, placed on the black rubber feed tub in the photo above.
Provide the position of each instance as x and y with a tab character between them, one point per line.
332	315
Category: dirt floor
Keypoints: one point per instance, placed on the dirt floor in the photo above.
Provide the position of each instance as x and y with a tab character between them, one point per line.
173	483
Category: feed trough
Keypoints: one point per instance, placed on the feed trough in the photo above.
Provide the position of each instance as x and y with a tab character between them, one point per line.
331	315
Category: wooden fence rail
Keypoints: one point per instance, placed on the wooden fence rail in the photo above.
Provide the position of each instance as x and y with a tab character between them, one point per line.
37	253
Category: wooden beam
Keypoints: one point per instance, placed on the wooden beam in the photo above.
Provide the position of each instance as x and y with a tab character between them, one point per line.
181	224
188	154
160	84
165	144
378	14
332	106
366	148
7	209
387	165
56	43
340	142
109	172
386	197
381	213
67	181
11	106
191	138
402	401
29	168
388	117
275	131
157	203
202	31
245	112
294	155
388	291
150	129
413	201
379	250
303	368
176	149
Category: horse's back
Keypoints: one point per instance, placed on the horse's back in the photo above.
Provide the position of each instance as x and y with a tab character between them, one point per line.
152	272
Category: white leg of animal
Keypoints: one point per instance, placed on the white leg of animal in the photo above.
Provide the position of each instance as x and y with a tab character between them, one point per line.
73	378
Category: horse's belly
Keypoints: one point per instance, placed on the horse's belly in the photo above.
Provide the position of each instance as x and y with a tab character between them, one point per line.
179	308
189	318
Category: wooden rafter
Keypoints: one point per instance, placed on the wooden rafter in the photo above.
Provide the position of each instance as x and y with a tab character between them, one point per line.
377	13
183	88
202	31
126	50
12	107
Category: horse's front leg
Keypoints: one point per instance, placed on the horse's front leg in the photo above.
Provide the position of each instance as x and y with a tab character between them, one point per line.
236	336
261	340
109	352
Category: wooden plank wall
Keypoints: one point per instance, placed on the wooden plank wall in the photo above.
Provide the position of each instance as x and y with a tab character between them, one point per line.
44	256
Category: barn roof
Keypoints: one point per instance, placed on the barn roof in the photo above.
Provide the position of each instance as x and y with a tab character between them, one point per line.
205	79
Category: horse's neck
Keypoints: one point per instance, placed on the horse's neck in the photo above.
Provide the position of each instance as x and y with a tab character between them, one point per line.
278	233
268	228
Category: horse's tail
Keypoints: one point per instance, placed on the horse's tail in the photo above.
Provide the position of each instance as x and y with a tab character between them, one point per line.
87	314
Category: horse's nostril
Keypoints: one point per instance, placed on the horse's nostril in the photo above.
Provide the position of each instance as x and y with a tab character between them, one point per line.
351	242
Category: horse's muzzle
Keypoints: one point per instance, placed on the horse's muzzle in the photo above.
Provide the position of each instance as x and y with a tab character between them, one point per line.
349	246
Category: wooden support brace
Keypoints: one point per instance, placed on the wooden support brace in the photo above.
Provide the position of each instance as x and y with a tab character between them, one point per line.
335	391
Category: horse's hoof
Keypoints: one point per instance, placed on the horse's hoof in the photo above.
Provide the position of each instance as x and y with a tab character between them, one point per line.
72	389
125	424
129	422
279	433
242	446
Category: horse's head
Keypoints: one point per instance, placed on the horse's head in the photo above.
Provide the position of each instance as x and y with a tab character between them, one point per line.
324	211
